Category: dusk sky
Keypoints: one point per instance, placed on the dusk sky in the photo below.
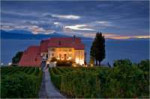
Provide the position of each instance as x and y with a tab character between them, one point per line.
117	20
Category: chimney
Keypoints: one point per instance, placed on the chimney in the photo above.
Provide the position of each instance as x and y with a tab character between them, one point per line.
59	42
74	37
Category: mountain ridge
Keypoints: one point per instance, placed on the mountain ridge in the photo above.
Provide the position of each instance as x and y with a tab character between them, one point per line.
21	35
13	35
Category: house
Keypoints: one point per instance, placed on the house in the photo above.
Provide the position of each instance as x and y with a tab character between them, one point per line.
66	48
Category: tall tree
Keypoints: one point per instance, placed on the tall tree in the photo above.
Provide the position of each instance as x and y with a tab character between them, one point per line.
98	48
17	57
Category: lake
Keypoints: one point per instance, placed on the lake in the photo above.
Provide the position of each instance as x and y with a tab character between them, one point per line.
135	50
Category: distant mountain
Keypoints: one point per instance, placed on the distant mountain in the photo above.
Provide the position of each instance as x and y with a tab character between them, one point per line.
20	31
13	35
21	34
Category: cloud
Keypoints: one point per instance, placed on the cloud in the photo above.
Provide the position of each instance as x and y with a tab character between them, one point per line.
122	19
90	35
36	29
44	27
6	27
16	13
79	27
71	17
58	24
104	23
40	30
49	31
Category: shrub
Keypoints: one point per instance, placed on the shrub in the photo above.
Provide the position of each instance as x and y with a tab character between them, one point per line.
64	63
53	59
124	80
19	85
144	65
55	78
80	84
125	63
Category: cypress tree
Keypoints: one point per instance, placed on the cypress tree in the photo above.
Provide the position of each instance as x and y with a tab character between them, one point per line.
98	48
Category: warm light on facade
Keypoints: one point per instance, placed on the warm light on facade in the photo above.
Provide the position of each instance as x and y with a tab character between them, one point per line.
58	58
69	58
91	65
79	61
67	54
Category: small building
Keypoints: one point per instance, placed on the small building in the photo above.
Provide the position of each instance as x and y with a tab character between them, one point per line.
66	48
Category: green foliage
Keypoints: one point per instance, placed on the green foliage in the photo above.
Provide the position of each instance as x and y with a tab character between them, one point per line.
123	80
98	48
76	83
16	82
144	65
64	63
55	77
17	57
91	60
19	85
125	62
53	59
80	84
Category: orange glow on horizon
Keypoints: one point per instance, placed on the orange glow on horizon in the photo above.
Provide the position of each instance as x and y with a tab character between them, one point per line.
145	36
129	37
115	36
120	37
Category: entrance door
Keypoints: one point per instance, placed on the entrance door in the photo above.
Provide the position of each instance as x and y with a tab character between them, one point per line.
65	56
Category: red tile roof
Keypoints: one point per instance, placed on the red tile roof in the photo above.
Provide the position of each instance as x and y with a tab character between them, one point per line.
44	46
31	57
66	42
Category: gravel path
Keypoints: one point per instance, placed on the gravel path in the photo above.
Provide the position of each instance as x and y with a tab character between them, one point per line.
42	93
47	88
52	92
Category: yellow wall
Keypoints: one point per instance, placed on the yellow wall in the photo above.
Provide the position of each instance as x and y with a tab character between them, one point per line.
79	57
71	54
